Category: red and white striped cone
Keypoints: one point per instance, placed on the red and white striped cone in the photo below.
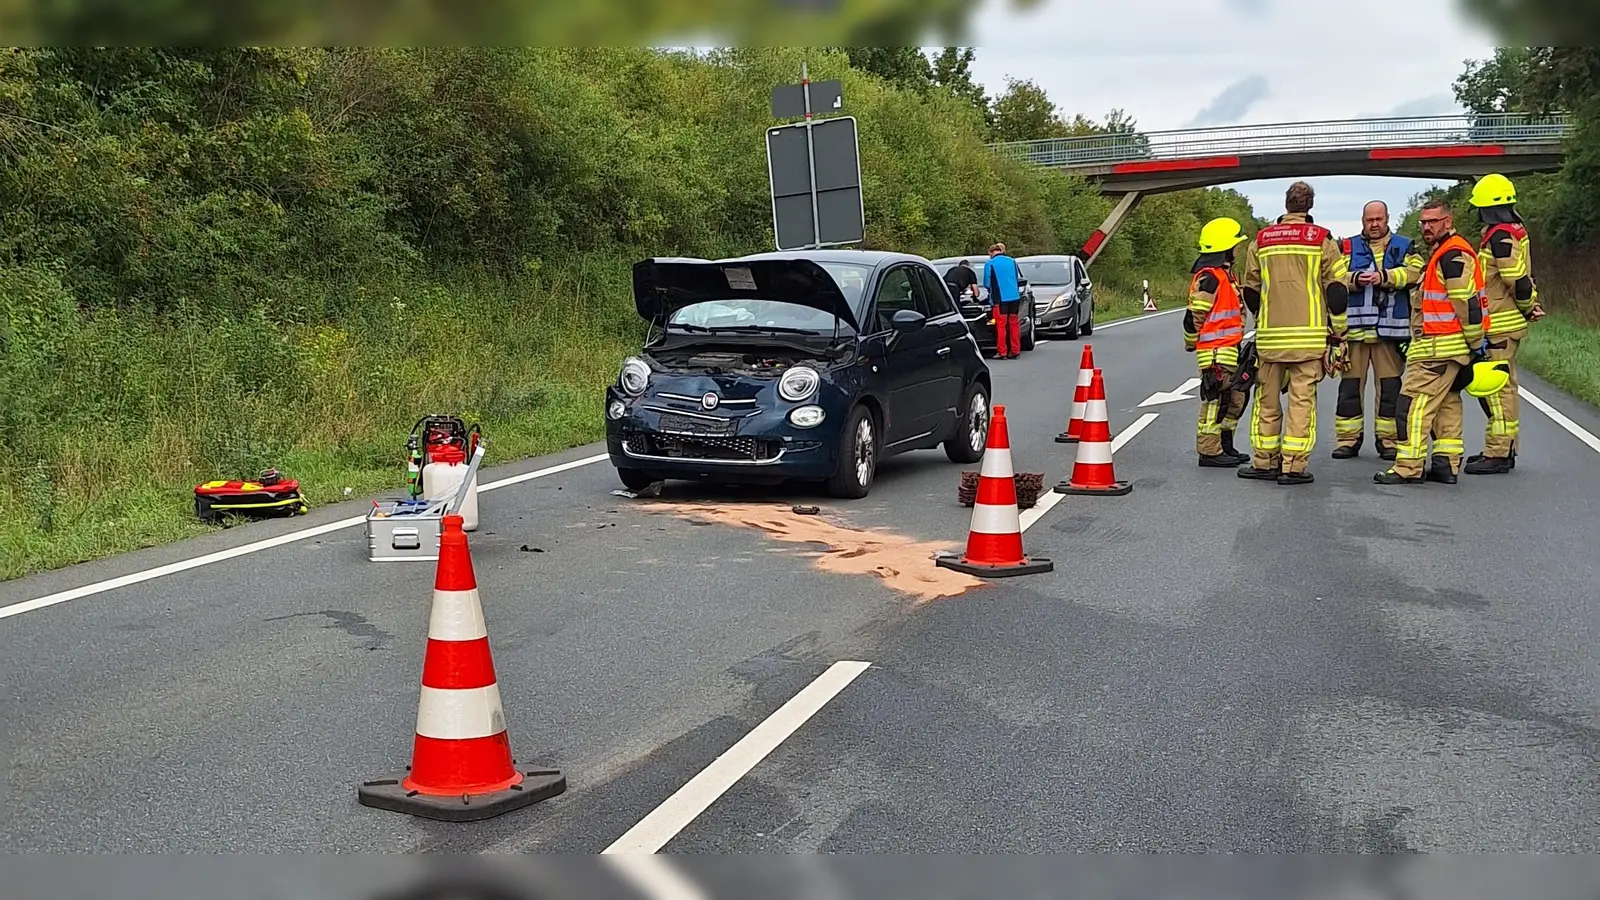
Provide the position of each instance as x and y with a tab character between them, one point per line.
994	541
1093	473
461	767
1080	398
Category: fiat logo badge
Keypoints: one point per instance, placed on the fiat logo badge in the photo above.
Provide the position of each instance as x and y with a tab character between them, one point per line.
709	401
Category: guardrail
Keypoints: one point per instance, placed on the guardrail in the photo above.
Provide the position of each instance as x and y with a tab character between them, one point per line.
1290	137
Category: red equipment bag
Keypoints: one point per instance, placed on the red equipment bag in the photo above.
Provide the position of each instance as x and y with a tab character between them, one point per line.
269	497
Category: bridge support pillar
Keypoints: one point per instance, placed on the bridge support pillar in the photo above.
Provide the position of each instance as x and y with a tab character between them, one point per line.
1119	214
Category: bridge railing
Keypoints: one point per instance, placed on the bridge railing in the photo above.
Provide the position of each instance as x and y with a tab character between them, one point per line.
1290	137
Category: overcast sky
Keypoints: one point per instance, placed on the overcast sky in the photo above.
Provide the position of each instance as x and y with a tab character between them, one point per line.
1187	63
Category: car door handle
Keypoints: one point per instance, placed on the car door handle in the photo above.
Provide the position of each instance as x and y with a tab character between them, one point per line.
944	351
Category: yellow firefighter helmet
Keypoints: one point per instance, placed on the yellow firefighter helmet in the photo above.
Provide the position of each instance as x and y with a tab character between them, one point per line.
1221	235
1488	377
1493	190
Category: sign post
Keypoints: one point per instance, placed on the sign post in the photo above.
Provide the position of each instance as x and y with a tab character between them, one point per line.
814	169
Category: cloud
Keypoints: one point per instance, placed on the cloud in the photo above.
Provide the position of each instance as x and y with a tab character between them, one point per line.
1431	105
1230	106
1251	7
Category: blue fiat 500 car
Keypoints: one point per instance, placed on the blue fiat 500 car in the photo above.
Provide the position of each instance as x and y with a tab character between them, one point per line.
805	366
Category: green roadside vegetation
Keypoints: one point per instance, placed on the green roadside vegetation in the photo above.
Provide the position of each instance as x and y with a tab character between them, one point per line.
217	261
1560	209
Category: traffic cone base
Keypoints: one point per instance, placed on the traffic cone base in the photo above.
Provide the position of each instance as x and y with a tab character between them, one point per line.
530	787
461	767
1093	473
994	542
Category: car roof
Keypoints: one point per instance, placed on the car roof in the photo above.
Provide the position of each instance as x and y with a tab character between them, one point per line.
859	257
952	260
1046	257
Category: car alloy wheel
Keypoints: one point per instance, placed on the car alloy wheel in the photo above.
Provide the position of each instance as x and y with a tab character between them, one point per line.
865	450
978	423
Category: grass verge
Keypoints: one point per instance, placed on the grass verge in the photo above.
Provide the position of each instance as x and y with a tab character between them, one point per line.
137	410
1566	353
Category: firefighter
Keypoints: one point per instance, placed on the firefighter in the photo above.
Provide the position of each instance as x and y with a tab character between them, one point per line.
1294	285
1447	324
1383	268
1513	303
1213	329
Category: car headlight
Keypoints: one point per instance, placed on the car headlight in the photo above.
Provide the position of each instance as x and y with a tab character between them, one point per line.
635	376
616	410
798	383
807	416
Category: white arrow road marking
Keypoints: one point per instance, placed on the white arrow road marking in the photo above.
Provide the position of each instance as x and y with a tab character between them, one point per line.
1173	396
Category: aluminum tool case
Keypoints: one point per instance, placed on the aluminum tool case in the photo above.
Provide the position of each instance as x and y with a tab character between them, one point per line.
408	530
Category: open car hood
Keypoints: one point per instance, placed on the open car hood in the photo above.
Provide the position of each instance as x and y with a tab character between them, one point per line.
662	286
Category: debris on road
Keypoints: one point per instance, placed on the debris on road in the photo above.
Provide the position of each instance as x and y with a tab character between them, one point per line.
900	562
806	510
526	549
653	489
1029	486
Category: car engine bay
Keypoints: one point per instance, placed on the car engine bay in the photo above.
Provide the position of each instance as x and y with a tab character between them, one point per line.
770	363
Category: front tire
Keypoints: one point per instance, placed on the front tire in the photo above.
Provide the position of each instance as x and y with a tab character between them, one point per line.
1086	316
857	462
966	446
1028	336
636	479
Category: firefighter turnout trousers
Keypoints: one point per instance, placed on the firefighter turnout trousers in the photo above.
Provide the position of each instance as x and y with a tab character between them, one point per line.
1385	362
1219	414
1500	435
1429	406
1274	437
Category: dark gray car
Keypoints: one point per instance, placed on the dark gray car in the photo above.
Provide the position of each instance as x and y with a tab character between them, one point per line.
977	312
1063	294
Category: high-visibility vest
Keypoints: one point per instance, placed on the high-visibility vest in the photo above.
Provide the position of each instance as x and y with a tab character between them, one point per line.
1224	325
1438	313
1385	312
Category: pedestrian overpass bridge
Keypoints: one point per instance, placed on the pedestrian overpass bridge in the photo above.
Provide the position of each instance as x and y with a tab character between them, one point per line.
1133	165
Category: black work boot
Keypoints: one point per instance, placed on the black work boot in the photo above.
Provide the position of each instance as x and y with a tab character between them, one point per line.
1350	452
1220	461
1229	450
1489	465
1288	478
1256	474
1387	452
1440	471
1393	477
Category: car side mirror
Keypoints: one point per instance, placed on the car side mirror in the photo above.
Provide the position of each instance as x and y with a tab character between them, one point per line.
1022	282
906	321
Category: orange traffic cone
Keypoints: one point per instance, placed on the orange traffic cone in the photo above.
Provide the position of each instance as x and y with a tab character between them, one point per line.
994	542
1080	398
461	767
1093	473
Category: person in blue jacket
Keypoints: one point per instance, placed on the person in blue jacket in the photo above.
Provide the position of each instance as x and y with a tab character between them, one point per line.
1003	280
1384	268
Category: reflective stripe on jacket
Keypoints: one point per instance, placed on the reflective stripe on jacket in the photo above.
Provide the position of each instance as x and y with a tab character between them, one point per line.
1386	311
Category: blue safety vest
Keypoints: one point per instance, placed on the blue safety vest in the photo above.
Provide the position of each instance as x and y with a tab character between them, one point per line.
1386	312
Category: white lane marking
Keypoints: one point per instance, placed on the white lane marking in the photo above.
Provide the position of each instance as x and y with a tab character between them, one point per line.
111	584
1140	318
1577	431
1181	392
672	816
656	877
1049	498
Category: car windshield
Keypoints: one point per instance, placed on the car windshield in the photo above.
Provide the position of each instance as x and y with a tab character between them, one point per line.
1046	273
851	278
753	315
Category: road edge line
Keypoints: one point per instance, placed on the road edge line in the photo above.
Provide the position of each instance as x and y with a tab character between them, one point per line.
1556	416
1139	318
195	562
687	803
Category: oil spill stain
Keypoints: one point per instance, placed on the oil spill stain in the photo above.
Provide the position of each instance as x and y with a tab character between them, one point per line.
902	563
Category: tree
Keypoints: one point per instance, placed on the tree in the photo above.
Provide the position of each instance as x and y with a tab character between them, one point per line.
952	70
903	67
1025	113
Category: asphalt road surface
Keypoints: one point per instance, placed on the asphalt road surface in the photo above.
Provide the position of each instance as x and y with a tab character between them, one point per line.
1214	664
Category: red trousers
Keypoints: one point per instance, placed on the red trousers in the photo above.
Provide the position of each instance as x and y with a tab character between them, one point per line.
1008	330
